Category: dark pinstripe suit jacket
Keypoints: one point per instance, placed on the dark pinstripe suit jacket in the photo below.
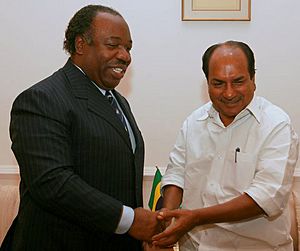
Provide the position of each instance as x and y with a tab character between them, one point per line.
77	166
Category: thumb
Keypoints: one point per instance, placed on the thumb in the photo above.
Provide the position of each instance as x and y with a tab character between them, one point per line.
166	215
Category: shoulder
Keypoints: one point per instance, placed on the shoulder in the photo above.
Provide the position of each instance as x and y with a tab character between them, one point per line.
52	83
201	113
197	119
49	96
271	113
60	84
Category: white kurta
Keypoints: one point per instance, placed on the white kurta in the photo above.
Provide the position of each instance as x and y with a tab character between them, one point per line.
256	154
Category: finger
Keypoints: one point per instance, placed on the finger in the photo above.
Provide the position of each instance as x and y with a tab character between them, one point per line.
160	217
166	242
157	237
161	235
164	209
166	215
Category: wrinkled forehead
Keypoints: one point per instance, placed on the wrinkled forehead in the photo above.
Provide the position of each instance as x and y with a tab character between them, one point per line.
106	24
228	51
228	61
103	19
227	55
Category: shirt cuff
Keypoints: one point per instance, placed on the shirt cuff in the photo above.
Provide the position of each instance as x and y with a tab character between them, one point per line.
125	221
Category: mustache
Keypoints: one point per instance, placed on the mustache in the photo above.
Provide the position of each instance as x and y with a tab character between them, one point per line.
120	62
231	101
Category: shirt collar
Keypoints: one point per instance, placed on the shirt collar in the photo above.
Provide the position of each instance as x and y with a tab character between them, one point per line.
100	89
254	109
208	111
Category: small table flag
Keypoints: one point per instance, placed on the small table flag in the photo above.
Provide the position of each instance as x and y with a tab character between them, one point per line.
156	200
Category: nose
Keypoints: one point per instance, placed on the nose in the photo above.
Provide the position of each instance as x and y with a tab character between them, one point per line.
124	55
228	92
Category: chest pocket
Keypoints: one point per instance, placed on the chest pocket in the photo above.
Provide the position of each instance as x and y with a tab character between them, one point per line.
239	170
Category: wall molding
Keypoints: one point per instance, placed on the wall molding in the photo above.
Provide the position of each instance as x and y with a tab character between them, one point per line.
9	169
148	170
14	169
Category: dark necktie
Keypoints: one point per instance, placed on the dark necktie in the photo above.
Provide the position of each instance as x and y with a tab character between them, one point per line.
114	105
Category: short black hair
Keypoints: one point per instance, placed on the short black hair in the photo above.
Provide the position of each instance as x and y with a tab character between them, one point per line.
80	24
243	46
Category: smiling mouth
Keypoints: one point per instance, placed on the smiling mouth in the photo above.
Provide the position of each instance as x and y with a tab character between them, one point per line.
118	70
231	102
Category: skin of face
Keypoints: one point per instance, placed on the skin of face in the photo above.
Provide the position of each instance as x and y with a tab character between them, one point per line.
106	59
229	84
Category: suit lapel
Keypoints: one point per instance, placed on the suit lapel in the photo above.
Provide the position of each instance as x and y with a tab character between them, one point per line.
98	104
84	89
129	116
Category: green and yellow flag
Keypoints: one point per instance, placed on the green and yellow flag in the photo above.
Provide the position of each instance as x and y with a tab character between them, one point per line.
156	200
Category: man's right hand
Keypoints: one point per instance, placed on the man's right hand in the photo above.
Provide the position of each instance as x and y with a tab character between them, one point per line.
145	225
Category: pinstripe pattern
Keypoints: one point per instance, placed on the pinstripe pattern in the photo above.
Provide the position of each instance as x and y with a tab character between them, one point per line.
76	164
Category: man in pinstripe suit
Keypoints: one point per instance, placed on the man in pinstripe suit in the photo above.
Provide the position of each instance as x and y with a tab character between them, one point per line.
81	169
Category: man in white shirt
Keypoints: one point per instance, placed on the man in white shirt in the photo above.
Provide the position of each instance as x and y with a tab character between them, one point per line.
232	166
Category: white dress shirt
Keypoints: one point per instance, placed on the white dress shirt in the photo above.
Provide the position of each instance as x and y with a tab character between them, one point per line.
256	154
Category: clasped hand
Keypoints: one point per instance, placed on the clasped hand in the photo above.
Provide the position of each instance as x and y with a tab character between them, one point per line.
176	223
161	228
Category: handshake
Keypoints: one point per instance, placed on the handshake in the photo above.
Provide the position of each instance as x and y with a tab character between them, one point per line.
162	228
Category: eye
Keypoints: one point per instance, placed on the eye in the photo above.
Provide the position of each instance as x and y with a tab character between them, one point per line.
112	45
238	82
217	84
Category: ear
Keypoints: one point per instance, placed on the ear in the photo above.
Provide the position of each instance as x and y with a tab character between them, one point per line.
253	80
79	44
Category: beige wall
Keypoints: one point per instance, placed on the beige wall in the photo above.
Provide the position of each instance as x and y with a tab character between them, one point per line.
164	83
